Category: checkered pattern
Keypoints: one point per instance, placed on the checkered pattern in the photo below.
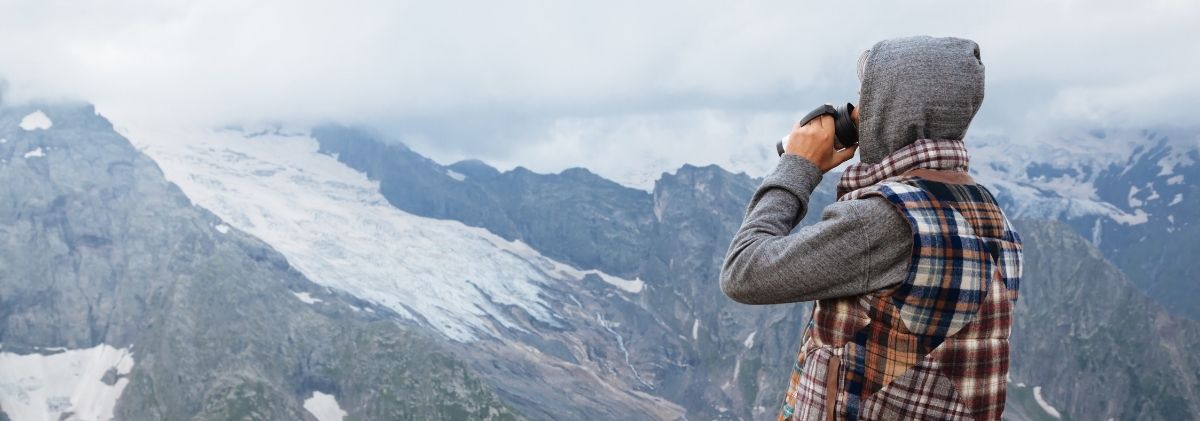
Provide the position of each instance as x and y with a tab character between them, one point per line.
922	393
935	346
807	396
949	269
934	154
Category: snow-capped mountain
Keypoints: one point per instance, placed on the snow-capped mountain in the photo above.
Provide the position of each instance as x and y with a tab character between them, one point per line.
568	295
1127	177
1131	192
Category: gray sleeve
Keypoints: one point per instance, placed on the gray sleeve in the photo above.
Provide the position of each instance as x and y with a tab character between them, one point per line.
859	246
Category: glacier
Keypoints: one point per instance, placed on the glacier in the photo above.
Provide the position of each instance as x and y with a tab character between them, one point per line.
333	225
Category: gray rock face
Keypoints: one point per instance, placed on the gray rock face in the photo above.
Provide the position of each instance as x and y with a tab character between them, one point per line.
1098	347
674	240
97	247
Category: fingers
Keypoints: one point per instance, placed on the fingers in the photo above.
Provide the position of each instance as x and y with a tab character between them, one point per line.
820	122
825	120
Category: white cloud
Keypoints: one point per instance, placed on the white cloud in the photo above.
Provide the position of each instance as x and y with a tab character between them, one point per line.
600	83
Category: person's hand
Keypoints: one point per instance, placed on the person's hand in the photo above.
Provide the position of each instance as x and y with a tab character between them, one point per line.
814	142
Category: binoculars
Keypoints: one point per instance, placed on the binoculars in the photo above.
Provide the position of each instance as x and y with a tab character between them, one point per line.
845	132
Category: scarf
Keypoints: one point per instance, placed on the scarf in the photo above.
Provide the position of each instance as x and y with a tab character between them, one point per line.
934	154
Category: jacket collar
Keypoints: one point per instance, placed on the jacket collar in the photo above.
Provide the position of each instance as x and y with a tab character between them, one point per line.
932	154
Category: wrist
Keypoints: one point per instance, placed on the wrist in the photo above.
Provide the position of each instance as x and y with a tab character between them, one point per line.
796	174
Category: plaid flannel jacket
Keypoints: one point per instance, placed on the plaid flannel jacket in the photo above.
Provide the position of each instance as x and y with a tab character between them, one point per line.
935	347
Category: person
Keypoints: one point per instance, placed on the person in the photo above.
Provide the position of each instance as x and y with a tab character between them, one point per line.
914	269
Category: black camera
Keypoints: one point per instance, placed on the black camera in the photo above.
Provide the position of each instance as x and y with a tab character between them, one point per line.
845	132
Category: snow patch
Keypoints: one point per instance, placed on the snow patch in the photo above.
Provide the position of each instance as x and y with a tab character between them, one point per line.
222	228
696	329
36	120
324	407
1168	163
635	285
1177	200
45	387
1178	179
737	369
1134	202
1037	395
306	297
35	153
1136	218
455	175
749	342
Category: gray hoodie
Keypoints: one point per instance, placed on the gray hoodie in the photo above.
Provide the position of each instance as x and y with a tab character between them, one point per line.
912	88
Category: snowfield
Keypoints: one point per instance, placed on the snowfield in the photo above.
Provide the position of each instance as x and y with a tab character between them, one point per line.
333	225
46	387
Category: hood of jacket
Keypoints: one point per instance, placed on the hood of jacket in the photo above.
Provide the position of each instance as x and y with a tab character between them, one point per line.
917	88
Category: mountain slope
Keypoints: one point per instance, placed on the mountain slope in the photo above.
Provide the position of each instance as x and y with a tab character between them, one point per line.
98	249
1082	328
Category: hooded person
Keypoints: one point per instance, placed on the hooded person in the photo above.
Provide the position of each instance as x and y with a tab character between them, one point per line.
914	269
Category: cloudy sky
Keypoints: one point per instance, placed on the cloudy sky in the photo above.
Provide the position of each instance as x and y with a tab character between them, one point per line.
626	88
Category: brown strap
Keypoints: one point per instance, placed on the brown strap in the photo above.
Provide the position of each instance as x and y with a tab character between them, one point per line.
942	176
831	385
